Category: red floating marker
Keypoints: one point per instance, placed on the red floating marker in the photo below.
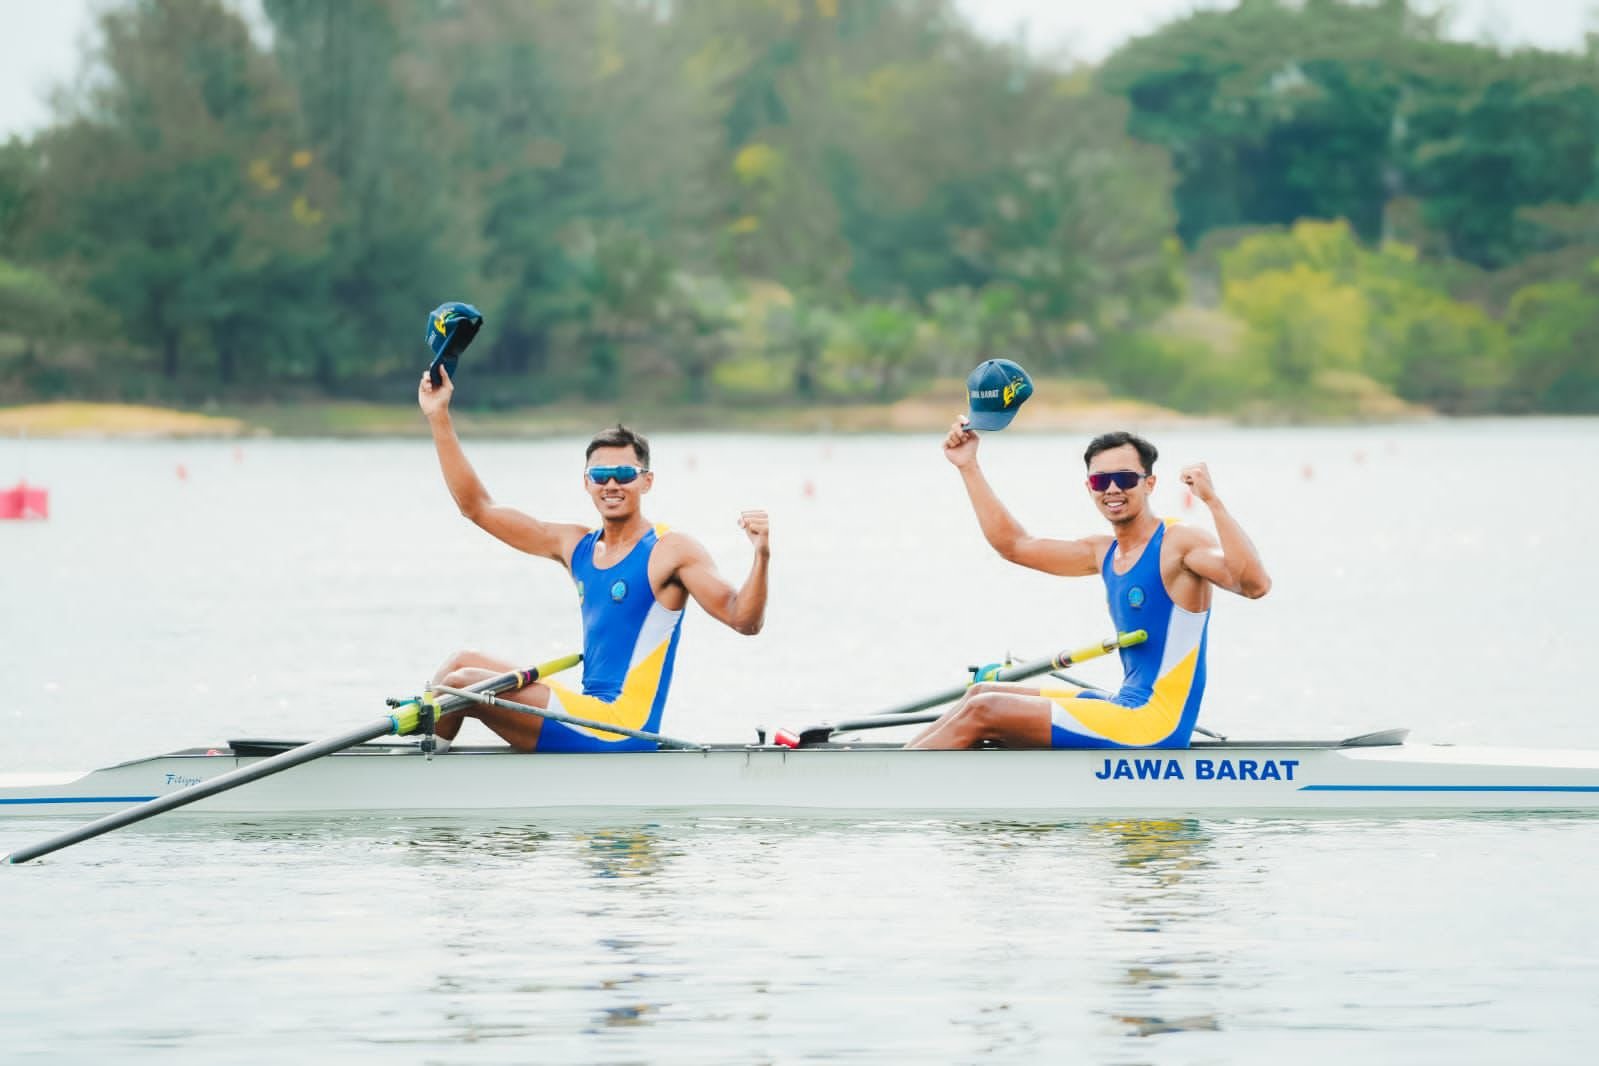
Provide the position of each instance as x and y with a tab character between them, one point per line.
183	472
24	501
808	490
784	739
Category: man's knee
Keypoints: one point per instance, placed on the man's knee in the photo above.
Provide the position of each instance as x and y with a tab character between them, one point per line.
982	713
462	658
465	676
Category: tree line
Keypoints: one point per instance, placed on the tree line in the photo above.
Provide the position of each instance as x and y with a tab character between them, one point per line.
1280	208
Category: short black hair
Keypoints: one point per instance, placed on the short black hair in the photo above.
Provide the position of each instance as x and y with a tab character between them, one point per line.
619	436
1106	441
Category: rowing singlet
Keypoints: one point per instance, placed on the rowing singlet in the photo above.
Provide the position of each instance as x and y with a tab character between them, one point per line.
1164	681
629	641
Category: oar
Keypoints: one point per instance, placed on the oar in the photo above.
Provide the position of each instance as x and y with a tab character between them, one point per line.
571	719
905	713
407	718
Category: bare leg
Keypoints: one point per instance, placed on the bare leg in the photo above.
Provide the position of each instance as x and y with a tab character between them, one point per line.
982	688
465	669
1011	719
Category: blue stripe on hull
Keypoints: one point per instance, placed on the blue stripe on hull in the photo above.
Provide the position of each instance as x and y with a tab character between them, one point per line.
81	799
1449	788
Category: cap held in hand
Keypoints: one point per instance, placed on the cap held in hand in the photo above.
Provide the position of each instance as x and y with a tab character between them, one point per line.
451	327
994	392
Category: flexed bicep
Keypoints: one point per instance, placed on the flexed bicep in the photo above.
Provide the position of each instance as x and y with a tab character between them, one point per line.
742	609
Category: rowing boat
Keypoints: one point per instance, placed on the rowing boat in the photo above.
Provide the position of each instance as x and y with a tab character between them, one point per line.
1372	772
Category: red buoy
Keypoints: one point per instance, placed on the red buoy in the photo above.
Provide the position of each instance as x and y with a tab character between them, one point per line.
25	501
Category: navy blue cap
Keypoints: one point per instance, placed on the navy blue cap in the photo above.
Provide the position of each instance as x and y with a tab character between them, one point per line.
995	391
451	327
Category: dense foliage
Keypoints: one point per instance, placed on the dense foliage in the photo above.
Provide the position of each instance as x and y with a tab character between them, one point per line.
1310	208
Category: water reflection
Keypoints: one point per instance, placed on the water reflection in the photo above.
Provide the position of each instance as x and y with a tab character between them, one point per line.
1161	866
633	852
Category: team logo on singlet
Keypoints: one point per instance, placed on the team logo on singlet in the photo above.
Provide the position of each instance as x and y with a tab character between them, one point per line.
580	592
1135	597
619	591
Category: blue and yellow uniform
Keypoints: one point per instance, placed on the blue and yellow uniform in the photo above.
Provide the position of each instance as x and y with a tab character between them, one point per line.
629	645
1158	702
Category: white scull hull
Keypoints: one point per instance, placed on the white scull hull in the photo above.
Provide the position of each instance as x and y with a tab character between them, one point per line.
1235	777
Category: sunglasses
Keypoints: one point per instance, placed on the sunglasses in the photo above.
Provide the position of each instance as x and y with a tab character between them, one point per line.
622	475
1122	479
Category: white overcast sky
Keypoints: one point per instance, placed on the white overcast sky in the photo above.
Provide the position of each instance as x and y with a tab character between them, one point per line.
44	37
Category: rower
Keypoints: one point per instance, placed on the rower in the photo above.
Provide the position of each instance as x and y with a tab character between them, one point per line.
634	580
1158	578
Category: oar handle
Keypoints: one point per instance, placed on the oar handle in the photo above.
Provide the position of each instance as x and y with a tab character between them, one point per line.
1022	671
407	716
1094	651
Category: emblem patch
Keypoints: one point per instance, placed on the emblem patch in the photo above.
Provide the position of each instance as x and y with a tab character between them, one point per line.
619	591
1135	597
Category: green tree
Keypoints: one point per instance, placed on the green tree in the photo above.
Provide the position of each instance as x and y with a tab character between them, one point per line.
1554	330
371	83
1315	300
156	193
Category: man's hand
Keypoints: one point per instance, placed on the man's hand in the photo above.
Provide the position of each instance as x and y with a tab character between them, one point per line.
1197	478
758	527
960	446
435	399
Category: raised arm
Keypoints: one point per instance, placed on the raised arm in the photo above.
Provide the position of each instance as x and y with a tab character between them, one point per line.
1234	564
743	609
521	531
1067	558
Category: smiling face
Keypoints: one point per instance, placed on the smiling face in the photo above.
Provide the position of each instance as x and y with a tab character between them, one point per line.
613	500
1120	505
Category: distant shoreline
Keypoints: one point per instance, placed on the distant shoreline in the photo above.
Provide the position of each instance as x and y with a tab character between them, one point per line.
359	420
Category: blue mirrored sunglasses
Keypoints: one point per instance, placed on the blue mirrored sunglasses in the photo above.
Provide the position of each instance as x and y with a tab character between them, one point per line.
1122	479
622	475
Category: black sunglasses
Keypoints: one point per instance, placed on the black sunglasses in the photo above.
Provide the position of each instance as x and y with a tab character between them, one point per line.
1122	479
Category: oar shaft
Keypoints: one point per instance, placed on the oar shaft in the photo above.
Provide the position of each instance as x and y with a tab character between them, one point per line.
403	720
571	719
1023	671
194	793
908	713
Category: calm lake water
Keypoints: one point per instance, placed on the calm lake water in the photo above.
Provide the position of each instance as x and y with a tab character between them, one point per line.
1439	577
